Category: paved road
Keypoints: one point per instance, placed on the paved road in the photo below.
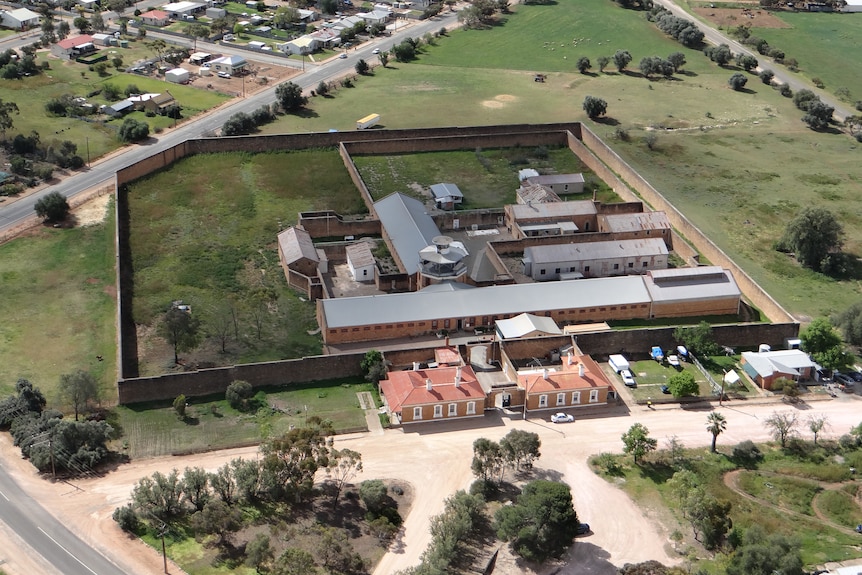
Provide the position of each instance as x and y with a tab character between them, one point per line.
38	529
16	212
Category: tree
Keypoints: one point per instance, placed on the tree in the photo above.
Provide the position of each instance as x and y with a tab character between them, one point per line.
583	64
82	24
63	30
294	561
224	484
181	330
335	553
720	54
542	523
289	97
52	207
708	517
404	52
159	494
362	67
737	81
343	465
373	495
766	76
622	58
788	387
762	554
196	31
520	447
804	98
595	107
850	323
133	130
716	424
258	552
196	487
812	235
682	384
819	115
817	423
6	111
638	442
782	426
374	366
49	35
677	60
97	22
238	394
285	16
217	518
824	344
698	339
158	46
748	63
78	389
383	56
603	62
487	459
180	405
292	459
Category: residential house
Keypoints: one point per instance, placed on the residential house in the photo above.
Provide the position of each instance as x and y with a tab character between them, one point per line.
526	325
446	196
577	382
73	47
377	16
19	19
594	259
550	219
155	18
178	10
681	292
326	38
634	226
433	394
560	184
307	16
360	261
765	367
302	45
156	103
232	65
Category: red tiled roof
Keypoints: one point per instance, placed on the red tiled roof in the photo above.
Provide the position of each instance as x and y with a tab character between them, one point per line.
408	388
566	378
156	15
69	43
447	356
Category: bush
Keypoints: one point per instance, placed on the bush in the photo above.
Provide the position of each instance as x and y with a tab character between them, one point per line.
785	90
746	453
126	518
766	76
53	207
485	489
737	81
238	393
134	131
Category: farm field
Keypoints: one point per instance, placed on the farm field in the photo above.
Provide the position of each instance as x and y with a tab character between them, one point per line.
488	178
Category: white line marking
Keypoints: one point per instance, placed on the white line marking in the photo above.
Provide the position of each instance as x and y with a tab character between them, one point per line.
67	551
4	496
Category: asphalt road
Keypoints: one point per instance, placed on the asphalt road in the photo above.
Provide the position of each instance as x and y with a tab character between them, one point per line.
39	530
13	213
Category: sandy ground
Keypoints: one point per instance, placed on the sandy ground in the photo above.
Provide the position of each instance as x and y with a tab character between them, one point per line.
435	459
733	17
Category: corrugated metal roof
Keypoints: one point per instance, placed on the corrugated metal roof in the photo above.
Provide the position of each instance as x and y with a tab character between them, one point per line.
525	324
637	222
426	305
408	226
596	250
441	191
295	244
359	254
554	179
681	284
523	212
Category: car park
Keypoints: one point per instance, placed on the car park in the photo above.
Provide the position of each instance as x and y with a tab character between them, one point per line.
562	418
583	528
628	378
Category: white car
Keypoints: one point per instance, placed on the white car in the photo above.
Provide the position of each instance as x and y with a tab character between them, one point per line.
223	75
673	360
376	51
562	418
628	378
343	55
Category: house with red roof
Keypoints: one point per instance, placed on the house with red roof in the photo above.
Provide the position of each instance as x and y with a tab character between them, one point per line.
577	382
432	394
71	47
155	18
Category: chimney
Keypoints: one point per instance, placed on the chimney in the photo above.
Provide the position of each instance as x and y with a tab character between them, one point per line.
415	366
428	385
458	377
545	373
581	369
571	357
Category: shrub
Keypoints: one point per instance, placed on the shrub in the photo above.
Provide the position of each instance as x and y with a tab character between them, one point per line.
238	393
126	518
746	453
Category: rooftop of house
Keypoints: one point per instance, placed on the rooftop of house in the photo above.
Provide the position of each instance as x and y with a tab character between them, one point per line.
70	43
788	361
527	324
445	191
405	389
536	193
566	377
360	254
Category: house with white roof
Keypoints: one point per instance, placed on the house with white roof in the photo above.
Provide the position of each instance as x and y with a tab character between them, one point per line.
229	64
765	367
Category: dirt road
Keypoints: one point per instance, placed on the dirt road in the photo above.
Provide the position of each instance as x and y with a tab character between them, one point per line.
435	459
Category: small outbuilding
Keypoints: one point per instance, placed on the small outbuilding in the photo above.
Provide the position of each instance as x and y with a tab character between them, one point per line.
360	261
446	195
215	13
177	76
19	19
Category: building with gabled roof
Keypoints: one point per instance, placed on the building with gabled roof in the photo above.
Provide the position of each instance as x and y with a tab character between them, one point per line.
535	194
550	219
446	196
560	183
680	292
155	18
19	18
69	46
433	394
577	382
297	252
765	367
637	225
595	259
526	325
360	261
407	229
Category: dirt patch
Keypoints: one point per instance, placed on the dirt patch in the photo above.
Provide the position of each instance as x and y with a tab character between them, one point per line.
92	211
261	77
732	17
492	104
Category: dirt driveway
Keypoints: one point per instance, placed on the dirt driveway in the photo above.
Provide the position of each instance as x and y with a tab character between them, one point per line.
436	459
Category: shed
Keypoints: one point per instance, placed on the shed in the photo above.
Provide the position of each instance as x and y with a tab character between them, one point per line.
296	251
360	261
216	13
526	325
120	108
257	45
446	195
20	18
102	39
177	76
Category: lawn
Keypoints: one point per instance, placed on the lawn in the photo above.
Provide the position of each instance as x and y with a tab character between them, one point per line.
487	178
58	308
154	430
211	242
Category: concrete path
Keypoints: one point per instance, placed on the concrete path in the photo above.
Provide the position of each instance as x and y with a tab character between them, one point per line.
372	419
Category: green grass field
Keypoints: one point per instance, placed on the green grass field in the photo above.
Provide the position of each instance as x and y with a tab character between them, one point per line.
58	308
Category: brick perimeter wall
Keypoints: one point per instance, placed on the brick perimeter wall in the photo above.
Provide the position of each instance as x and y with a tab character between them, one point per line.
215	381
329	224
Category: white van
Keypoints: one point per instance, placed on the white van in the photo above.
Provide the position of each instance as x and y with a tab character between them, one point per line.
618	363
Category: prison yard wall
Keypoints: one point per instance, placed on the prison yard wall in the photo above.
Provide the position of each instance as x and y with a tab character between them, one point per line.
483	218
328	224
214	381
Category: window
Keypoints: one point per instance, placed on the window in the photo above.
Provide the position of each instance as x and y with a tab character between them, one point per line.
471	408
446	323
644	264
594	395
438	411
616	266
557	270
587	227
576	397
586	269
542	272
434	324
561	399
417	413
631	264
566	187
543	401
453	409
365	272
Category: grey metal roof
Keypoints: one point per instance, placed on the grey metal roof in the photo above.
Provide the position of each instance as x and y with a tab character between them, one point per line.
553	179
596	250
536	193
525	324
427	305
295	244
636	222
409	227
523	212
442	191
681	284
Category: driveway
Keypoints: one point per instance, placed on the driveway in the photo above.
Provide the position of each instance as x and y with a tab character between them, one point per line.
436	460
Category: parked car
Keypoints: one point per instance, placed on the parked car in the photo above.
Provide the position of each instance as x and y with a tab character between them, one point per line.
562	418
665	389
583	528
229	37
628	378
855	376
376	51
343	55
673	360
843	379
223	75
